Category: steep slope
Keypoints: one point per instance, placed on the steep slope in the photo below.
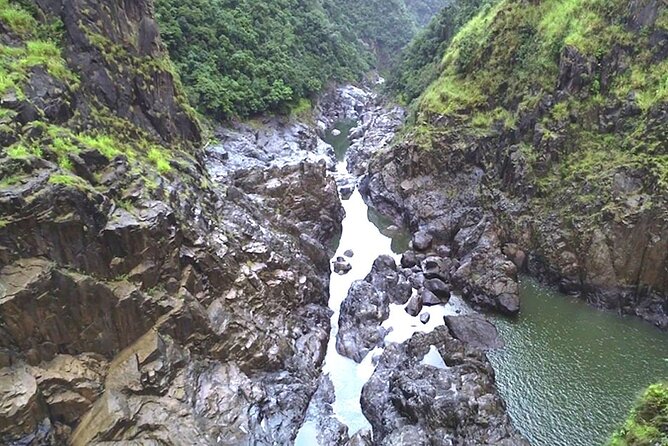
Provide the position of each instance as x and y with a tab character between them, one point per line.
648	421
545	133
419	63
243	58
424	10
140	302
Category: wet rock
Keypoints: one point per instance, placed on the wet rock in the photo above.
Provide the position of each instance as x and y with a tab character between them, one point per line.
329	430
361	438
341	266
474	330
509	304
417	280
435	267
516	255
487	276
362	313
409	259
375	133
414	306
408	402
439	288
385	278
422	241
430	299
443	251
425	317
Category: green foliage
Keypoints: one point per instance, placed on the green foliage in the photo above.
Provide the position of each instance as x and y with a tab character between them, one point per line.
17	19
246	57
160	158
106	145
503	67
424	10
68	180
419	64
20	151
648	423
303	109
40	49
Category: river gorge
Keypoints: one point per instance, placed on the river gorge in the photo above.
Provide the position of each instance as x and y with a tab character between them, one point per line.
568	372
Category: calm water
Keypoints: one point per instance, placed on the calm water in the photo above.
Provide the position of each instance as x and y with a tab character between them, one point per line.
569	372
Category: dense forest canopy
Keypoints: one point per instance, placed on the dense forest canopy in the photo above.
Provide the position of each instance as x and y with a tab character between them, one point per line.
418	65
244	57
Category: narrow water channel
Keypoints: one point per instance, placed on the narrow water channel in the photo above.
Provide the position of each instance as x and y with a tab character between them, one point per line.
569	372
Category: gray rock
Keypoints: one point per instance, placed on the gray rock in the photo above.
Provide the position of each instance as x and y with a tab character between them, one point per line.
474	330
414	306
410	403
439	288
409	259
430	299
362	313
341	266
422	241
425	317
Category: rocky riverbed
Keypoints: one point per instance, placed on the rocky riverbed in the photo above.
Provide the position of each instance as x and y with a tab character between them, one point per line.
388	327
205	303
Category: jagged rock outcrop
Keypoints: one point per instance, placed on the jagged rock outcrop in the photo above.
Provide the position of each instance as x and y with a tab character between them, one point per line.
543	188
140	300
410	402
367	306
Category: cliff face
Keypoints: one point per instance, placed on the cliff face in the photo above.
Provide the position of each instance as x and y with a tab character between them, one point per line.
139	301
547	151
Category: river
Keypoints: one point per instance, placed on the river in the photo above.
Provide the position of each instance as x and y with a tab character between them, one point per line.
569	372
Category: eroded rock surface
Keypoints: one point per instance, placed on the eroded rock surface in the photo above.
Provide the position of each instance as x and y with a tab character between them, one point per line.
409	402
367	306
188	307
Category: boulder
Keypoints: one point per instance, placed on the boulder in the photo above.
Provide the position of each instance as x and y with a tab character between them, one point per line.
362	313
422	241
439	288
430	299
408	259
414	306
412	403
475	331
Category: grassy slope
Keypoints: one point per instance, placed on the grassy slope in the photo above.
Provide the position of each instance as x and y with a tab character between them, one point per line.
37	44
647	424
505	61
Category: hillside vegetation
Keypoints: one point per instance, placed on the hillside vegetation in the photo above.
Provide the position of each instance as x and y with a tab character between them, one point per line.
648	423
241	58
582	85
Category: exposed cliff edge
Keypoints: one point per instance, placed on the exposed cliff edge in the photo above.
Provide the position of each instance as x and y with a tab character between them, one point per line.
541	146
139	301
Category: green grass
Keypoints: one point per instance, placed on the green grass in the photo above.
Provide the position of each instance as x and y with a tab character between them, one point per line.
20	151
106	145
302	110
68	180
17	19
648	423
39	49
160	159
